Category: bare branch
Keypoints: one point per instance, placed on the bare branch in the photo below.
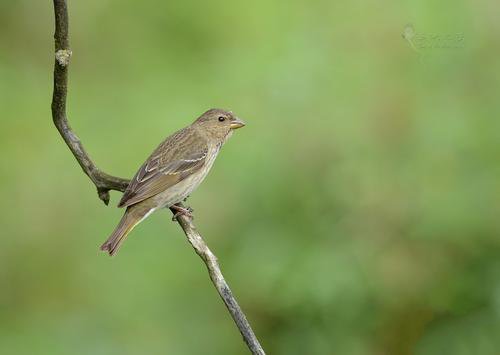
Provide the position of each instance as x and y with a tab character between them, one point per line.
210	260
105	182
101	180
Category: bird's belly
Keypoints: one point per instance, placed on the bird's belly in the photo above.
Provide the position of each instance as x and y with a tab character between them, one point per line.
184	188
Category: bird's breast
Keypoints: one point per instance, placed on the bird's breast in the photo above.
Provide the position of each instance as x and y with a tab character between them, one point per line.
184	188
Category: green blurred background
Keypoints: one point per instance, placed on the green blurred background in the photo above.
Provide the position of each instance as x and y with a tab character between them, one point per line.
357	213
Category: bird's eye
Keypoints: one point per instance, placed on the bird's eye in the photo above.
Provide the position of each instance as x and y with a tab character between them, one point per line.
221	118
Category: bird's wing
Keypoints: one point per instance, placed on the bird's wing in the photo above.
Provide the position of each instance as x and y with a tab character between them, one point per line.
179	156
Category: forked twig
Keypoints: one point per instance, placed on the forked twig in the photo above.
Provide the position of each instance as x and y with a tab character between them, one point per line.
105	182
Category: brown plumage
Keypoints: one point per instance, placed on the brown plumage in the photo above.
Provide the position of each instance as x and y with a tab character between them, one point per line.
173	171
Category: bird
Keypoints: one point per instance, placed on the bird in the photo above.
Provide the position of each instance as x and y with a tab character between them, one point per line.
173	171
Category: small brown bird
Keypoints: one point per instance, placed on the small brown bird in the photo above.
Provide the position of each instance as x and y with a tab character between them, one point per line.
173	171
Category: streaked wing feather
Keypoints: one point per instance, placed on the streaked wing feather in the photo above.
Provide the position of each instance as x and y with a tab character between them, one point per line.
173	161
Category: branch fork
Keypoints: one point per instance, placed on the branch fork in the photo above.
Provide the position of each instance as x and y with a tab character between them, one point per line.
105	182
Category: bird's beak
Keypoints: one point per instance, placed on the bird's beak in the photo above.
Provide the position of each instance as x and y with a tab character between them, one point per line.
237	123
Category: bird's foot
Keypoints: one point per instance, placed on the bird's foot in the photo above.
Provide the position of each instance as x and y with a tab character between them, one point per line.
181	211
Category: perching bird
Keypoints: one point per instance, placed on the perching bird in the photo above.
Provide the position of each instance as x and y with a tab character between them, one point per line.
173	171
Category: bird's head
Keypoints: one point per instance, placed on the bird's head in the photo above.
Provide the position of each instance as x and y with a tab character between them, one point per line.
218	124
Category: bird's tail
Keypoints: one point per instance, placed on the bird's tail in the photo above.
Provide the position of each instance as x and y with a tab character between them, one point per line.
132	217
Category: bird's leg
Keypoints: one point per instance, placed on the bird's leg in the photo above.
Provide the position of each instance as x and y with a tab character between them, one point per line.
181	211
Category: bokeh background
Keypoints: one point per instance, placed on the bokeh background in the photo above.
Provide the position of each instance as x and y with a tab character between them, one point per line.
357	213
